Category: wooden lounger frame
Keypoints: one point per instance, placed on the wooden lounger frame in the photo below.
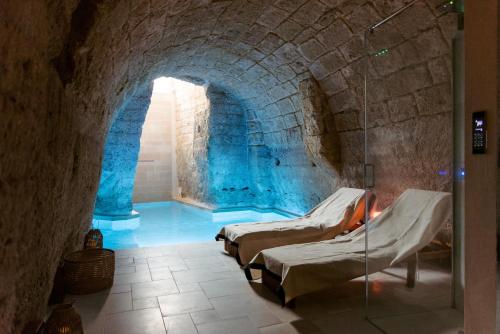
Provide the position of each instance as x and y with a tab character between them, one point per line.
435	251
230	247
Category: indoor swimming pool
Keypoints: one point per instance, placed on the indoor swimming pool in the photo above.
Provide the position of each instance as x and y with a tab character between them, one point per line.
173	222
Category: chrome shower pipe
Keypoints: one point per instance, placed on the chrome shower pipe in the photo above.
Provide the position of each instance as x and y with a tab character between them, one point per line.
390	17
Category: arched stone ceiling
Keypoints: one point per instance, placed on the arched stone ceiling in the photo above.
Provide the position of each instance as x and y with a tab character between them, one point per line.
72	63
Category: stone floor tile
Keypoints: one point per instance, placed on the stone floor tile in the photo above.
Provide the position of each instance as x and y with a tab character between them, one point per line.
203	262
184	303
161	273
142	303
93	323
233	326
237	306
289	328
188	287
225	287
263	318
124	269
203	275
124	261
202	317
180	324
164	261
120	288
132	278
147	321
99	303
153	289
438	322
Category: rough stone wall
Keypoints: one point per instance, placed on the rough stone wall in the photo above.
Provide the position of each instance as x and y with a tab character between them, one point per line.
191	167
409	120
229	177
212	151
320	134
73	63
121	152
51	141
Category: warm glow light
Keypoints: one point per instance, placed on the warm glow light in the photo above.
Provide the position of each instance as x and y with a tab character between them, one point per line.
164	85
376	214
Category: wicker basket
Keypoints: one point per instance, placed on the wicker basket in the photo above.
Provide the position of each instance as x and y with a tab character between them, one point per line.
89	270
93	239
64	320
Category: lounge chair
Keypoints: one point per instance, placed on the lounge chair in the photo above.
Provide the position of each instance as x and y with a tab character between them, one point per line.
397	234
339	212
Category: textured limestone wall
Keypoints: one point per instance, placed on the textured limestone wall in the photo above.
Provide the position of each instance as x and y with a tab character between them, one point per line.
51	141
192	140
229	176
73	63
212	150
156	174
121	152
410	104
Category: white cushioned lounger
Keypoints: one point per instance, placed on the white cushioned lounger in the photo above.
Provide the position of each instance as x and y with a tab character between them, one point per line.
338	212
402	229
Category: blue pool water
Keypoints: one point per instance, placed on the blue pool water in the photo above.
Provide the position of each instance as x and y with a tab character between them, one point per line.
174	222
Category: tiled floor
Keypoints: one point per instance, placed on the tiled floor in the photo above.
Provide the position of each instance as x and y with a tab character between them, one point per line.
198	289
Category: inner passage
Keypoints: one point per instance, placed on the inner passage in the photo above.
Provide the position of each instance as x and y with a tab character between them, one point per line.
177	168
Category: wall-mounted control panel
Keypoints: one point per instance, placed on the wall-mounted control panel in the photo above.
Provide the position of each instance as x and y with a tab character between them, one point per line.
479	132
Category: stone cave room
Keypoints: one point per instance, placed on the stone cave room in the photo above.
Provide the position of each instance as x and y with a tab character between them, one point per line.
249	166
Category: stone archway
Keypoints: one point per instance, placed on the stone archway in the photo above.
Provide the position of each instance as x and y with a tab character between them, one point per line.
67	69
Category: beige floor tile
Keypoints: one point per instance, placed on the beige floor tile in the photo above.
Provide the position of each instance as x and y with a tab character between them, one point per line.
233	326
203	262
153	251
121	253
202	275
438	322
237	306
188	287
263	318
184	303
103	303
141	260
164	261
141	267
120	288
142	303
289	328
179	267
124	261
180	324
202	317
345	322
147	321
202	289
161	274
93	323
225	287
124	269
153	289
132	278
200	252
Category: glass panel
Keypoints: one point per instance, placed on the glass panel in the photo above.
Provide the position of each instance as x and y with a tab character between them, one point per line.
410	149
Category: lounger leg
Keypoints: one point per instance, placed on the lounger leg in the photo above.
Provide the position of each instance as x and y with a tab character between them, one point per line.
248	273
411	271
